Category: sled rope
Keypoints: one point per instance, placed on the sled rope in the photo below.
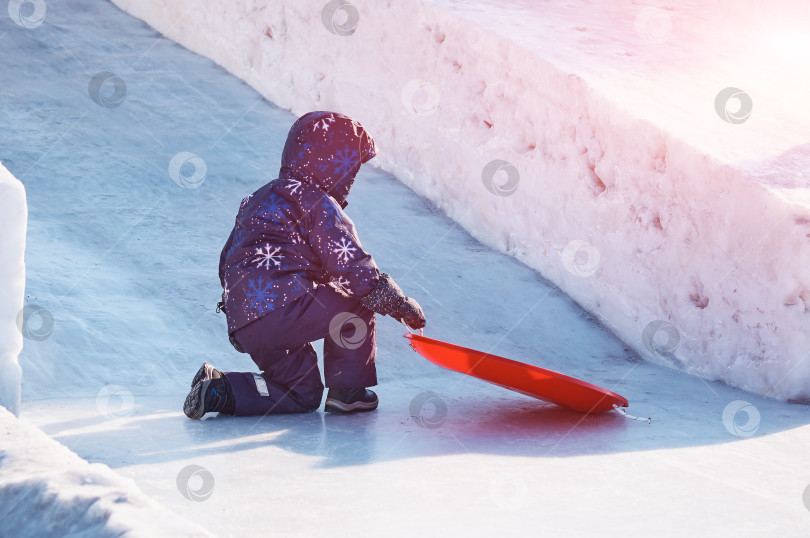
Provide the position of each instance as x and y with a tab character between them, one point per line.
624	413
421	331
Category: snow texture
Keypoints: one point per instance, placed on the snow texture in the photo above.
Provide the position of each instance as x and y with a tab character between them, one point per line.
48	491
13	222
608	145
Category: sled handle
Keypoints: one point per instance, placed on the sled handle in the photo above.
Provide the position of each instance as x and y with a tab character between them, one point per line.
421	331
627	415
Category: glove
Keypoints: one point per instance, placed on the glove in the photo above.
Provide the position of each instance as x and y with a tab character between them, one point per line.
387	299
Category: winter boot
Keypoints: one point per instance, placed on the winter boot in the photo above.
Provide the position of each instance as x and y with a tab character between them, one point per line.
205	373
209	396
350	400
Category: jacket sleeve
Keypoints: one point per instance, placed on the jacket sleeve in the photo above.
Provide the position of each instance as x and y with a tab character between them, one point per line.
334	240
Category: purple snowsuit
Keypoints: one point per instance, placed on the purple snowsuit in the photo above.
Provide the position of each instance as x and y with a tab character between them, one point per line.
293	271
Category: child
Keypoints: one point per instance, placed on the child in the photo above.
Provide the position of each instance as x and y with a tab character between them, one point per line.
293	271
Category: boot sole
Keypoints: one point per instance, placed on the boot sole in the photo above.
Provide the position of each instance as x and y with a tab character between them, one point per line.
336	406
193	406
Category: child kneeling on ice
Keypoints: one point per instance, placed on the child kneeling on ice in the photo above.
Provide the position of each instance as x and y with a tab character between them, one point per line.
293	271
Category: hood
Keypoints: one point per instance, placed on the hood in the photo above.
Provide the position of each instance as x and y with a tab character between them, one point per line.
326	149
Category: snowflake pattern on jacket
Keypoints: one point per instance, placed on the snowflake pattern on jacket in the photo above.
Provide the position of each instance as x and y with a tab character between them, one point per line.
292	234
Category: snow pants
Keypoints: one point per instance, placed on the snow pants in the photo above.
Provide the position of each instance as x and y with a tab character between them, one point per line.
280	343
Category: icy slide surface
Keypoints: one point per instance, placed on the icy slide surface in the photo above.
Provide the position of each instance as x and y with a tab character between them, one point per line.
628	174
125	261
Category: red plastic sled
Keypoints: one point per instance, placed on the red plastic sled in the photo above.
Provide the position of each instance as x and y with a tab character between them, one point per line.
524	378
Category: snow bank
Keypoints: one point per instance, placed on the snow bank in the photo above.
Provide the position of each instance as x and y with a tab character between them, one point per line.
605	144
13	221
47	490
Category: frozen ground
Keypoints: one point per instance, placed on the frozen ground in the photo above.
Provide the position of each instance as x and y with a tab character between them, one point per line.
125	261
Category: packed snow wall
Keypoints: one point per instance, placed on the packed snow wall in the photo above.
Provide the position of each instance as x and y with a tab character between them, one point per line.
47	490
605	144
13	222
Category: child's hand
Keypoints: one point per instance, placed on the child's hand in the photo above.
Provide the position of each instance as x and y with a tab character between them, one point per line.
387	298
412	314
